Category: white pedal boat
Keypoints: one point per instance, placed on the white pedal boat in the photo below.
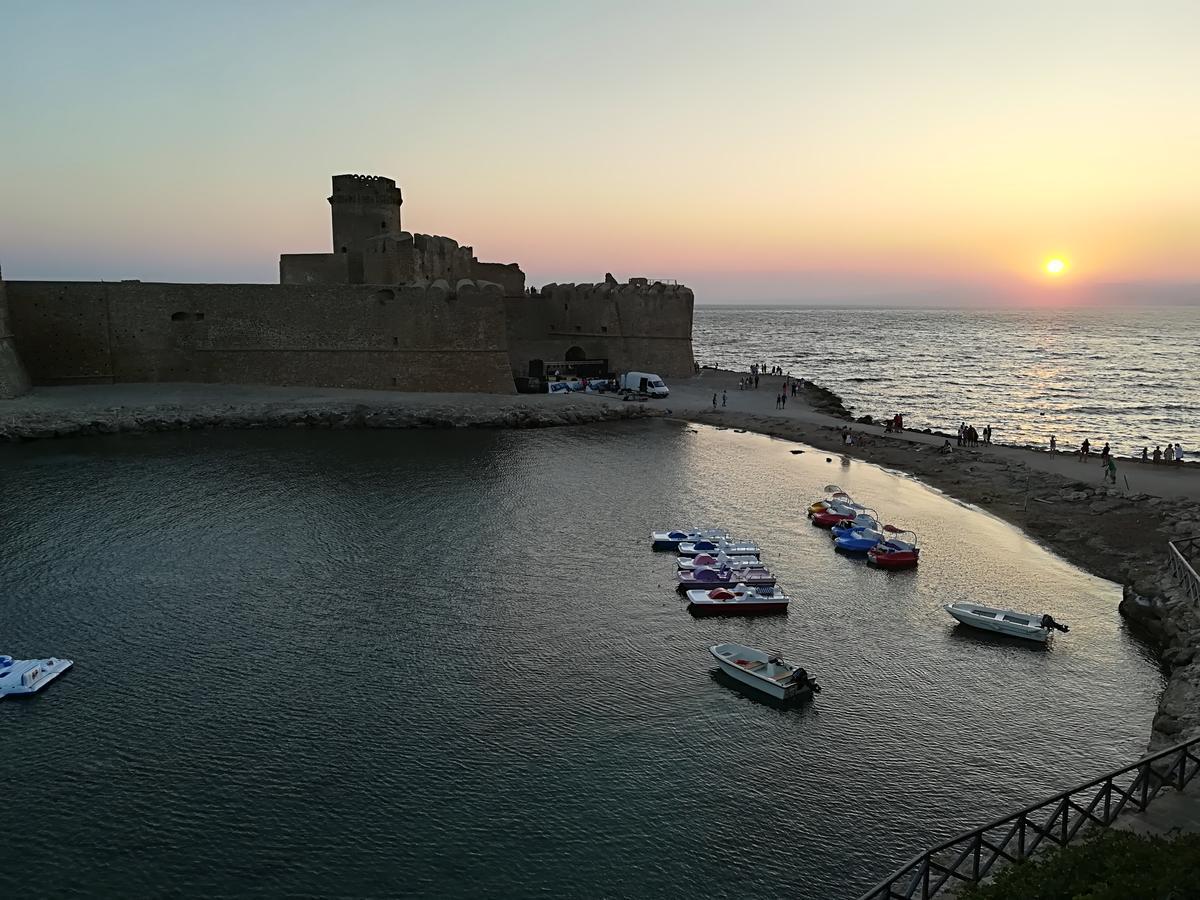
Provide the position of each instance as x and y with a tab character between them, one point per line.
28	676
739	600
1031	626
766	672
670	540
729	548
719	560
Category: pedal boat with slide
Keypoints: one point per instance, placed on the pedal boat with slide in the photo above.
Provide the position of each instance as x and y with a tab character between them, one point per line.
1031	626
833	494
766	672
737	600
719	560
28	676
664	541
896	552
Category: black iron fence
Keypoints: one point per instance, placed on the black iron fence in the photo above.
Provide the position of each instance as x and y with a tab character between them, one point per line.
969	857
1179	559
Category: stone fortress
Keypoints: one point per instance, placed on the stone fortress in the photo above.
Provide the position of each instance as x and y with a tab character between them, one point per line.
387	310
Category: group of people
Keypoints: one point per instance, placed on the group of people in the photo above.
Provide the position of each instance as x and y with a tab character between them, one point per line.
969	436
1173	453
761	369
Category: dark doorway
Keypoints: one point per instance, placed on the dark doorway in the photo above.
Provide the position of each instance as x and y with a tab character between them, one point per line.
537	368
576	354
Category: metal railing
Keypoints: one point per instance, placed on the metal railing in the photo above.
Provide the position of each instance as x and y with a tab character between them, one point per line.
1178	554
969	857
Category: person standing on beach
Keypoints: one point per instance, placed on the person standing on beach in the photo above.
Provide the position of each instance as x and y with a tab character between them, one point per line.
1178	453
714	401
783	400
1110	470
1157	454
1083	449
722	397
756	382
1169	453
1145	455
1053	445
1104	455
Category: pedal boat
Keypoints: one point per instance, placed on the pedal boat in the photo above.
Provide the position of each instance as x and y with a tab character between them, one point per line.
895	552
670	540
866	519
1031	626
861	540
729	548
766	672
833	494
711	578
837	514
738	600
717	560
28	676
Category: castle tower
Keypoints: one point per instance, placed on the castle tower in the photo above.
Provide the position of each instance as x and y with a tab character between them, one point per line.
364	206
13	379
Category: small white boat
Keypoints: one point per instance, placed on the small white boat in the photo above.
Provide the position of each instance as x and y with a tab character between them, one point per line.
670	540
719	560
766	672
738	600
27	676
729	548
1031	626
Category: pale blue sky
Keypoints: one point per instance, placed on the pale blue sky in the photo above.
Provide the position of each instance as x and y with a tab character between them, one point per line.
759	151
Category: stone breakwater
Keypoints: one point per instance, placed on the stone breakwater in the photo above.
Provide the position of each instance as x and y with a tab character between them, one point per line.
480	412
1118	535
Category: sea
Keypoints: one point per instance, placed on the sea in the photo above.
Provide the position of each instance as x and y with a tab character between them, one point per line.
446	664
1124	376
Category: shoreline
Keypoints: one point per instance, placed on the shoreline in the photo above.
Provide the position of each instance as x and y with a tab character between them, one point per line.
1117	534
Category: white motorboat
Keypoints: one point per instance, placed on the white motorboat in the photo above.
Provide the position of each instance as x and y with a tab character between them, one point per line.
1031	626
729	548
718	561
670	540
27	676
766	672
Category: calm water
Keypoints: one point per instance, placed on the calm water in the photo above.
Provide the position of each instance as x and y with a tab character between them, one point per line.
446	664
1126	376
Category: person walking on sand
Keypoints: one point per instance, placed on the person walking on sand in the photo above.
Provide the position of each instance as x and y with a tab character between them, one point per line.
756	382
1110	470
783	400
1053	445
714	401
1157	454
722	397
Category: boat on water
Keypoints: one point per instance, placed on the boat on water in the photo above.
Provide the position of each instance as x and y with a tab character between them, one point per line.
710	578
1031	626
763	671
670	540
717	560
897	552
737	600
836	514
860	540
711	547
833	494
28	676
865	519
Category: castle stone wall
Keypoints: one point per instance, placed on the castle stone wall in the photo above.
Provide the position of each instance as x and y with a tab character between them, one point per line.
14	380
634	326
411	337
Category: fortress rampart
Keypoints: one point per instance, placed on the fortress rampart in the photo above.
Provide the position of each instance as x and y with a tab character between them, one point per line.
386	310
14	380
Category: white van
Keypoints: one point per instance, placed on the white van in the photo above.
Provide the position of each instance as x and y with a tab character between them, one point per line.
643	383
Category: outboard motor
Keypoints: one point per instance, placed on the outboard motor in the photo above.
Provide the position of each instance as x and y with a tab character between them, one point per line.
1048	622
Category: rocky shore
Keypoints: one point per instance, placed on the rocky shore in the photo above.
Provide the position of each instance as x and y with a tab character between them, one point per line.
117	409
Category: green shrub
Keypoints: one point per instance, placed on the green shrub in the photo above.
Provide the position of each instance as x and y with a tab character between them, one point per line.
1108	865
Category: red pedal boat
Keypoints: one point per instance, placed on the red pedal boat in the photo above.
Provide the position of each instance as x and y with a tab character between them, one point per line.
895	553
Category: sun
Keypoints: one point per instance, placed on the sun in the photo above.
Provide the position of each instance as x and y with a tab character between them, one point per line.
1055	267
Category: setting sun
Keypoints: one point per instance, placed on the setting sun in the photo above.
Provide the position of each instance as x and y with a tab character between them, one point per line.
1055	267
